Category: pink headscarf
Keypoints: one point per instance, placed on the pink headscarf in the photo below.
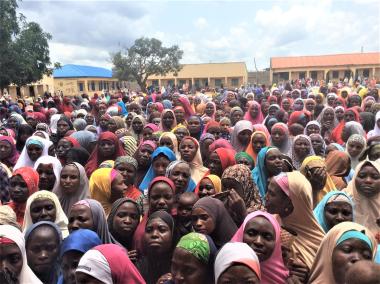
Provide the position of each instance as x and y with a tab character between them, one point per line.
185	103
259	118
220	143
273	270
283	182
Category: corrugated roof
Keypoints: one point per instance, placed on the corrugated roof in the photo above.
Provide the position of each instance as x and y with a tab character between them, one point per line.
80	71
370	58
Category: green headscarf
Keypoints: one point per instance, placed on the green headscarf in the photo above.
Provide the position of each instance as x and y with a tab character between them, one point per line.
244	155
197	245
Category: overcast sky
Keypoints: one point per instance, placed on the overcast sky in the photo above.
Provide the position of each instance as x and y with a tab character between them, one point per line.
85	32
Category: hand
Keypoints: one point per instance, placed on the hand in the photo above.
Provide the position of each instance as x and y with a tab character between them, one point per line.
164	278
237	204
299	270
132	254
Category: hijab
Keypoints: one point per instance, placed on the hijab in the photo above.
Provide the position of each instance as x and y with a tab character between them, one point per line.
376	130
250	149
273	270
357	138
225	227
84	138
56	164
190	185
68	200
321	272
260	173
259	118
296	161
336	163
239	127
174	124
11	160
174	140
226	156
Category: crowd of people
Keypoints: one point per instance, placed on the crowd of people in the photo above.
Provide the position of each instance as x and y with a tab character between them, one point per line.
270	185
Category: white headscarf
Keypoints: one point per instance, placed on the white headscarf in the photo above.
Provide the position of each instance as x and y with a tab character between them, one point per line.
53	122
57	167
94	263
376	130
26	275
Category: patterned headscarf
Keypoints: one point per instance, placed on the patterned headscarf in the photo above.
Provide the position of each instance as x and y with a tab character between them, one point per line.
127	160
198	245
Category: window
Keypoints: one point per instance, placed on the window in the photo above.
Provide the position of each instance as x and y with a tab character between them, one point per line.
205	83
284	75
197	83
92	86
302	75
113	85
154	82
170	83
181	83
81	87
235	82
314	75
366	73
347	74
335	74
218	82
100	85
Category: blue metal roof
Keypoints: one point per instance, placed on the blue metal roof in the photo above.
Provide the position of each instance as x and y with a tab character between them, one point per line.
80	71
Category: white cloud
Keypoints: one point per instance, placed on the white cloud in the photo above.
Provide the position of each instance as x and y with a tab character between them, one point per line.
201	23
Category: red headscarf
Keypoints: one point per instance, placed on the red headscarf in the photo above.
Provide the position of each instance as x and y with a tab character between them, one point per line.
336	135
220	143
212	123
226	156
95	160
297	115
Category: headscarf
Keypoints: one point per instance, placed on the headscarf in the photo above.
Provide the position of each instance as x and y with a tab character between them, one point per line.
244	155
60	217
366	209
190	185
250	149
226	156
302	220
260	173
332	196
297	116
8	217
239	127
120	124
174	140
54	121
322	270
109	264
215	180
353	127
150	174
358	139
67	201
198	171
236	253
11	160
336	163
12	233
130	145
84	138
225	227
242	174
79	124
174	124
24	160
336	134
56	164
259	118
132	132
313	122
318	162
273	270
94	161
287	143
185	103
321	119
376	130
220	143
296	162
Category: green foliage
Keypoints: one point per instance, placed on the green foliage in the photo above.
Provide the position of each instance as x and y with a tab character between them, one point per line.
24	48
146	57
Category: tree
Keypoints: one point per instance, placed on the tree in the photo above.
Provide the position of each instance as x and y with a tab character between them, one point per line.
146	57
24	48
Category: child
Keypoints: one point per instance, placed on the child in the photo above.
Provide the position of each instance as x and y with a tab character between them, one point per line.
185	203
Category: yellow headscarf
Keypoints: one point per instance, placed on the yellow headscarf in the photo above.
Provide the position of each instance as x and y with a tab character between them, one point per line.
216	182
100	187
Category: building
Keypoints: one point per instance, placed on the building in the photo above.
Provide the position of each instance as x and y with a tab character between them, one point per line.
328	67
229	74
71	80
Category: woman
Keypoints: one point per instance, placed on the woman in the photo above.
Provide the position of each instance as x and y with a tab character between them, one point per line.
334	208
106	186
107	263
72	186
245	159
64	145
161	158
148	130
261	232
24	132
328	121
208	186
137	126
108	148
319	144
157	244
269	164
254	114
86	139
338	167
241	135
210	217
350	114
42	244
89	214
280	137
115	123
128	166
63	126
35	147
49	169
8	151
344	244
143	156
301	149
169	140
258	141
180	173
351	128
195	127
44	206
123	221
12	244
237	262
355	147
221	159
312	127
168	120
204	143
365	191
376	130
190	152
73	248
290	196
23	183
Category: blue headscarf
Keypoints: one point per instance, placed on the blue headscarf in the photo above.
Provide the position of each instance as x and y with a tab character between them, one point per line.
319	211
150	174
124	110
260	172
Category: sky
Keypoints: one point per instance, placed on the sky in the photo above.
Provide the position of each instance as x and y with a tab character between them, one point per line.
87	32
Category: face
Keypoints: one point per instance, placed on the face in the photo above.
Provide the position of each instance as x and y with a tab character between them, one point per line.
230	183
254	111
239	274
160	164
225	126
188	150
317	145
346	254
89	119
47	177
218	115
302	148
70	261
5	149
310	106
34	152
11	262
264	108
179	115
349	116
161	197
202	221
144	155
106	148
126	220
180	175
70	179
374	153
194	125
18	189
168	119
274	162
62	127
278	136
214	131
244	137
276	201
134	108
42	249
286	105
328	117
312	129
103	122
80	217
354	101
214	164
147	133
102	109
157	236
137	125
209	110
12	123
180	269
128	172
244	161
185	206
43	210
206	188
118	187
180	133
236	116
354	148
367	181
63	147
112	126
258	142
259	234
339	114
337	212
167	142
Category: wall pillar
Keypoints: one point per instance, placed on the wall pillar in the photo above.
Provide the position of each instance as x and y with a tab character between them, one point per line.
270	76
